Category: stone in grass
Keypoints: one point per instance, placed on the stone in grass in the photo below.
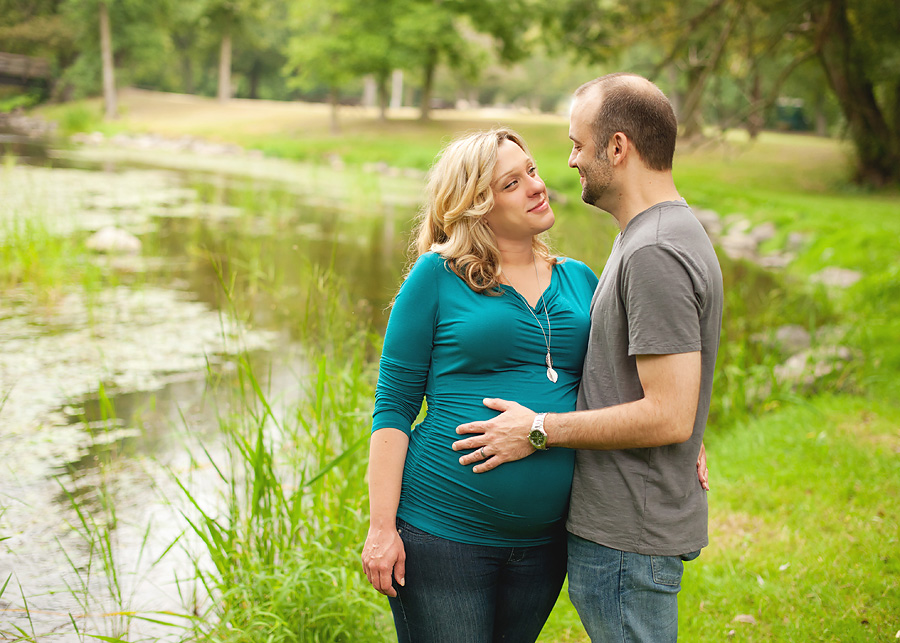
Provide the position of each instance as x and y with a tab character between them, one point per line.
113	240
745	618
836	277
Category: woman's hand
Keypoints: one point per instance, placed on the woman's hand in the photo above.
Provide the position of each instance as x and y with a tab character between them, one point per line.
702	470
384	556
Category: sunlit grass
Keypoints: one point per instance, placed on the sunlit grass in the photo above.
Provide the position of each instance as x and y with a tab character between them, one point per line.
804	530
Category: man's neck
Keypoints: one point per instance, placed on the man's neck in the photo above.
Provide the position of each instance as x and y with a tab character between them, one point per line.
640	193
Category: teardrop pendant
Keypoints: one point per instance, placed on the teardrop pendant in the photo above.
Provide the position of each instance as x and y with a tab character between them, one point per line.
551	374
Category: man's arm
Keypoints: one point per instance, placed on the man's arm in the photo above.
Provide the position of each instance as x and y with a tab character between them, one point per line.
665	415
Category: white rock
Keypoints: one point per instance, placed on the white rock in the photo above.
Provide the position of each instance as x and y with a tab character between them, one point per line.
793	338
113	240
763	232
839	277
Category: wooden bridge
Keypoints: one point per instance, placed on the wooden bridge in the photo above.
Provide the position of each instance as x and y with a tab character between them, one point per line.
24	71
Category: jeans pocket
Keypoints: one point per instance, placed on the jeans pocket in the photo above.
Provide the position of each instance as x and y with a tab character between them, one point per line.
667	570
411	534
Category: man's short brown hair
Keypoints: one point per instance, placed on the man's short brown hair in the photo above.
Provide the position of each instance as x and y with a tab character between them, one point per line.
631	104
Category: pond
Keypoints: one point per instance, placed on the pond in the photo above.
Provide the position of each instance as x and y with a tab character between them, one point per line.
112	362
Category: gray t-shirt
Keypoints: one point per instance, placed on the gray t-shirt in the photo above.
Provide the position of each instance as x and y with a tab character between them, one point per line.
660	293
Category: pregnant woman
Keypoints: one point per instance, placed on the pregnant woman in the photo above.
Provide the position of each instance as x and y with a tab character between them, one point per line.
486	307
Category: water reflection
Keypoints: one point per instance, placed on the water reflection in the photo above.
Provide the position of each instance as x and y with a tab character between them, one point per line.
25	149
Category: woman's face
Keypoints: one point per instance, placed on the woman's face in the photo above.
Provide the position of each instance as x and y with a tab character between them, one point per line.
521	208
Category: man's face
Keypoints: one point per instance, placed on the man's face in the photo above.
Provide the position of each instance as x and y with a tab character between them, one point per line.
593	165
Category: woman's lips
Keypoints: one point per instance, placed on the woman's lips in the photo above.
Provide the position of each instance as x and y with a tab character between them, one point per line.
540	206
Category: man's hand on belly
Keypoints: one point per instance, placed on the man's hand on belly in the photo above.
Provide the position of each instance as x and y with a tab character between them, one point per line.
498	440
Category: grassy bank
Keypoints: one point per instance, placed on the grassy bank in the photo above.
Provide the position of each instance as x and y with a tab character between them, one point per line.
805	498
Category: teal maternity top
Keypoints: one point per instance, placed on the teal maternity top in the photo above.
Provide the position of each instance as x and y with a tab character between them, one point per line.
455	347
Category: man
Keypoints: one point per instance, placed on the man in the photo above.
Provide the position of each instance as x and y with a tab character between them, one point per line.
637	509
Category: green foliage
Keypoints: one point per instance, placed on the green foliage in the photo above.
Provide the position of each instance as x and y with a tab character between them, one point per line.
333	43
19	101
80	118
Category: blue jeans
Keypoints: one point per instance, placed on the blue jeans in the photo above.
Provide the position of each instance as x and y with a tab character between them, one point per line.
460	593
622	596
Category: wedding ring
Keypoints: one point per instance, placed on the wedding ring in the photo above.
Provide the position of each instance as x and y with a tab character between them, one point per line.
483	456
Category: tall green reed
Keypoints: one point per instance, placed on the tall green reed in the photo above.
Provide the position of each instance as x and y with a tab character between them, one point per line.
283	541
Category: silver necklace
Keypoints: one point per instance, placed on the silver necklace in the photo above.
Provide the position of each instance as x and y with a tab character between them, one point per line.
551	374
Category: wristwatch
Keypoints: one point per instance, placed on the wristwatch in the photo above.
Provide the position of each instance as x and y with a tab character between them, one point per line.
537	436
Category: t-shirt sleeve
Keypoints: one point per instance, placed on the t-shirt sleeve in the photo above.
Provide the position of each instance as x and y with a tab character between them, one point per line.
658	293
408	342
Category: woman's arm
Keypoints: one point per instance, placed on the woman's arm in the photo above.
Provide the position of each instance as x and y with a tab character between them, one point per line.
383	555
402	377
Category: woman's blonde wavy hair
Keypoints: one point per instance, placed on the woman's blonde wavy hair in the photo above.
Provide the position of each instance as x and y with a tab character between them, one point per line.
458	196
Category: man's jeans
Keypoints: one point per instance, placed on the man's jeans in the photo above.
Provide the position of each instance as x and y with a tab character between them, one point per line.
625	597
459	593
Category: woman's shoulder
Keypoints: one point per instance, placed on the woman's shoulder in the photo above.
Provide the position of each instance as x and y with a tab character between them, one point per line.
426	269
427	263
575	269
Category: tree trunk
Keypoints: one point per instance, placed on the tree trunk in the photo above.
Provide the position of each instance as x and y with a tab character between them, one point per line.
689	116
370	91
255	75
333	100
187	74
821	118
106	54
877	143
428	85
756	117
397	89
383	97
692	102
225	67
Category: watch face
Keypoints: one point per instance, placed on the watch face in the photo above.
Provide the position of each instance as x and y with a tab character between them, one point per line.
538	440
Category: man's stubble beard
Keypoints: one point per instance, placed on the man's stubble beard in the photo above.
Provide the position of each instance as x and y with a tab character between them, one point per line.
597	178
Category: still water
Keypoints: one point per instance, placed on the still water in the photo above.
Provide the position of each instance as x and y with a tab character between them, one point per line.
124	369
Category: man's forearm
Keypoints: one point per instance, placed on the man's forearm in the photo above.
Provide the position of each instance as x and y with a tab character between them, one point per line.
665	415
624	426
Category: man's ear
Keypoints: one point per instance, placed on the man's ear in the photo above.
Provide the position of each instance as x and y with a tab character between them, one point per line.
619	147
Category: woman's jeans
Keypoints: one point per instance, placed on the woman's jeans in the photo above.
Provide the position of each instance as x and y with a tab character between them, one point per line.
622	596
460	593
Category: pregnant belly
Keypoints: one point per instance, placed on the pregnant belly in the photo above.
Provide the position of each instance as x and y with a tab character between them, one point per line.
519	500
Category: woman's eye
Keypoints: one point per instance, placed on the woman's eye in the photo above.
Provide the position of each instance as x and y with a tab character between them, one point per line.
532	170
510	184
